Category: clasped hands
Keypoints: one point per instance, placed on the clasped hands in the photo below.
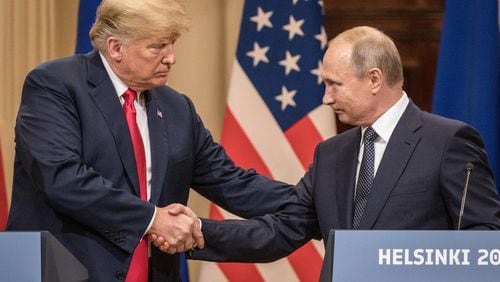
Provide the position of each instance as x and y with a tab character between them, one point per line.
176	228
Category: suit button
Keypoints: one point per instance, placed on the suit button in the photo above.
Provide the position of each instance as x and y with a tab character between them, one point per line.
119	275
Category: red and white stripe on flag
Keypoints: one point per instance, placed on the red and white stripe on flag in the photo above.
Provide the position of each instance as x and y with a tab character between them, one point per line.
274	117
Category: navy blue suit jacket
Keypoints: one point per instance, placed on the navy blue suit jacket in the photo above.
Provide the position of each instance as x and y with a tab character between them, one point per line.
75	174
418	185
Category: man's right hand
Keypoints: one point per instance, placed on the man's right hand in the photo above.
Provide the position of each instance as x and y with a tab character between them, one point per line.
176	229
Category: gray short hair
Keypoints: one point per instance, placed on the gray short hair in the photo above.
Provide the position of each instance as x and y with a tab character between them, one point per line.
371	48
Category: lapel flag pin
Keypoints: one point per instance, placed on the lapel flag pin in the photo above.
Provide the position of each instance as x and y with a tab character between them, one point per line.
160	114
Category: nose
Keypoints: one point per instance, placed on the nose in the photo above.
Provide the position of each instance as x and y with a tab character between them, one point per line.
169	55
328	98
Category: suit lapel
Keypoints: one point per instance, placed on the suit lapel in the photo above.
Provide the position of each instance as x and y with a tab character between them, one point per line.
345	172
157	124
397	154
106	100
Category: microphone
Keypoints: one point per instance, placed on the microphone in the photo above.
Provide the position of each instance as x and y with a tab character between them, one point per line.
468	168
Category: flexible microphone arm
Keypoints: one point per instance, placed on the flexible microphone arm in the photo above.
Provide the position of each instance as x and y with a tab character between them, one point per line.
468	168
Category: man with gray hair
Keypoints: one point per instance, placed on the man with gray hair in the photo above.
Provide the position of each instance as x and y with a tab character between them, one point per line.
105	152
399	168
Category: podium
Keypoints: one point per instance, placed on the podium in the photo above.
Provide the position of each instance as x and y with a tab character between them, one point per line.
379	255
37	256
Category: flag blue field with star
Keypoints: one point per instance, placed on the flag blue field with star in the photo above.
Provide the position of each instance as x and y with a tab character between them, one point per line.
281	53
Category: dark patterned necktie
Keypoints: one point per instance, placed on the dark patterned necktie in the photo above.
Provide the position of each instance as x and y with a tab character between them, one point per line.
365	178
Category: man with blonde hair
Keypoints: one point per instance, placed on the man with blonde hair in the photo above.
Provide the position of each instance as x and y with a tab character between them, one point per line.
105	151
399	168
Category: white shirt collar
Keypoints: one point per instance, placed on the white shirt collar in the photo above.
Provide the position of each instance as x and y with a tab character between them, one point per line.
119	85
385	124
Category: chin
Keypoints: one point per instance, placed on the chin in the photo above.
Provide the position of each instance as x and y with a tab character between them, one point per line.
346	120
159	82
341	117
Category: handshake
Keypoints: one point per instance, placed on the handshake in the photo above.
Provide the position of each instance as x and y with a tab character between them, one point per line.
175	229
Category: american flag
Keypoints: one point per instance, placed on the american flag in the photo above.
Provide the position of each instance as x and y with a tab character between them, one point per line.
274	117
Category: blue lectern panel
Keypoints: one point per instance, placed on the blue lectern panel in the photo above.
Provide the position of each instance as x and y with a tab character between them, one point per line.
20	257
416	256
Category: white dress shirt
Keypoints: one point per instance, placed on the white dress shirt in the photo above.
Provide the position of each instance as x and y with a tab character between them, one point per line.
384	126
142	123
141	118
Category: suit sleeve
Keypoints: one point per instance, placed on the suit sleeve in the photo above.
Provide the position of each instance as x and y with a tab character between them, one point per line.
482	208
241	192
48	144
265	238
260	239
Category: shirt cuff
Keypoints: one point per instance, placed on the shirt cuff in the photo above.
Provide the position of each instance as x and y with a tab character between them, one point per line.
150	223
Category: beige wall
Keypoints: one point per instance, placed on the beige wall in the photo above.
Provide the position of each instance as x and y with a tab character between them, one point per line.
33	31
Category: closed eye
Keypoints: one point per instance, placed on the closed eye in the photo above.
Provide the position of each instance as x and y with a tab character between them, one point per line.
330	82
158	47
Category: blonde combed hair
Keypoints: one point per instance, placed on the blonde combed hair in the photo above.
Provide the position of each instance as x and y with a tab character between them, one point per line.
127	19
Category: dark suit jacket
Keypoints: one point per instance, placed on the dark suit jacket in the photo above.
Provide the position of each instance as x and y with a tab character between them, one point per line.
418	185
75	174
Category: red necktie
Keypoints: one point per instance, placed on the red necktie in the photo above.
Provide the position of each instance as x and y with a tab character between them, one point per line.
138	271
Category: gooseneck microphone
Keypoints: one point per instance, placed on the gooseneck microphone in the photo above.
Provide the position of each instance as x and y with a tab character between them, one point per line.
468	168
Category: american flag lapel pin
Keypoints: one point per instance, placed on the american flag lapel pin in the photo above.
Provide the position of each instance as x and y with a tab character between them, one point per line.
159	113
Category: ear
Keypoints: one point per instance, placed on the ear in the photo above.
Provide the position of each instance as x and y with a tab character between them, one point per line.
114	48
375	75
